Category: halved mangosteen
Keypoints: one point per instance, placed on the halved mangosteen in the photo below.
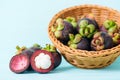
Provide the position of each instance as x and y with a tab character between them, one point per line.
19	63
42	61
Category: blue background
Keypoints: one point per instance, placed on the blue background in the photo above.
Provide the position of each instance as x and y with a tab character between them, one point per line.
25	22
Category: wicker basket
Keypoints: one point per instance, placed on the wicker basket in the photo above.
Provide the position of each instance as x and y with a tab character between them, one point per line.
83	58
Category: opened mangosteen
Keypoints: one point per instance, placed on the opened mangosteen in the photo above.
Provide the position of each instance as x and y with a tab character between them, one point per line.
101	40
45	60
42	61
77	42
21	61
87	26
63	29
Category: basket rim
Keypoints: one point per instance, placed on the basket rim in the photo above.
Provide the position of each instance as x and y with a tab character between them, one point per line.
89	53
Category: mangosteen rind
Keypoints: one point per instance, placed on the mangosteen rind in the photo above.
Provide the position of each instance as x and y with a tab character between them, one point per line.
14	63
41	70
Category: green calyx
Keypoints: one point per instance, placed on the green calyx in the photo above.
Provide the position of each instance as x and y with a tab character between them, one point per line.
91	28
73	46
116	38
20	49
59	22
50	48
53	29
37	45
74	39
87	31
110	25
72	21
77	38
112	29
58	29
58	34
59	26
83	23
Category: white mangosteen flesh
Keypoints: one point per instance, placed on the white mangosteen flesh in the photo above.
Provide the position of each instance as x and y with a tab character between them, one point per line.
43	61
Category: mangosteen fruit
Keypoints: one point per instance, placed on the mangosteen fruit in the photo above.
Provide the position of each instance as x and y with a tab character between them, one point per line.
87	27
62	30
55	53
78	42
101	40
42	61
109	26
21	61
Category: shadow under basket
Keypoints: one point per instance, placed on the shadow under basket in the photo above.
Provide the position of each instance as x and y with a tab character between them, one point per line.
83	58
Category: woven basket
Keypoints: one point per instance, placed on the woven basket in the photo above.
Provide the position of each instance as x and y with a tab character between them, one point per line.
83	58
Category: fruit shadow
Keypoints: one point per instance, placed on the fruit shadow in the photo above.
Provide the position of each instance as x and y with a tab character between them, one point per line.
29	72
63	69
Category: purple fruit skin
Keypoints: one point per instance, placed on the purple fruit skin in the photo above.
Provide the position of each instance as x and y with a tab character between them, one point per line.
58	59
108	42
84	44
103	29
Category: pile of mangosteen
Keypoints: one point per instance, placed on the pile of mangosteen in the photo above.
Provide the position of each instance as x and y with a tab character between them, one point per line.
86	34
41	60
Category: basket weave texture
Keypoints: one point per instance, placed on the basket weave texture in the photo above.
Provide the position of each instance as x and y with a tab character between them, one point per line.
83	58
